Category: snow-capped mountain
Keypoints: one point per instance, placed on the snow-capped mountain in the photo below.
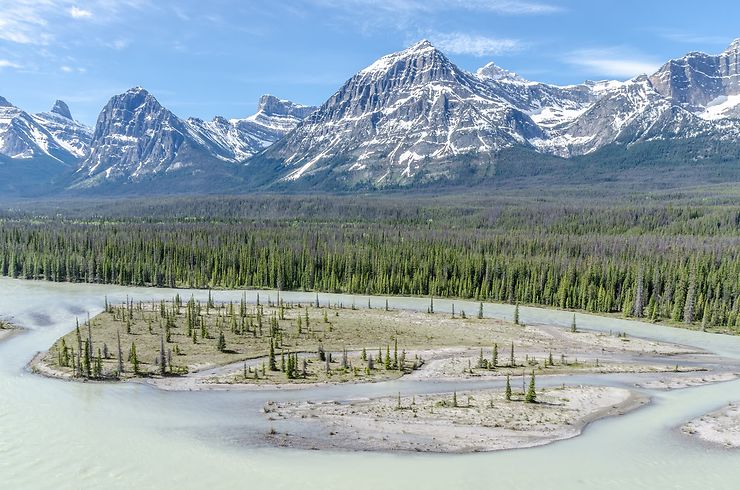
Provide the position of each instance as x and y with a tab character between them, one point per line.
242	138
25	136
73	136
408	111
414	115
136	137
411	116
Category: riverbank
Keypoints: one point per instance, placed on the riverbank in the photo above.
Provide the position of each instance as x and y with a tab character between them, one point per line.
721	427
463	422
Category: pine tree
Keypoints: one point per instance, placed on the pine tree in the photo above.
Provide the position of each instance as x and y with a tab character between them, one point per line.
99	365
531	396
516	314
272	362
221	345
508	388
494	356
512	362
480	311
120	354
134	359
639	305
688	312
86	362
162	358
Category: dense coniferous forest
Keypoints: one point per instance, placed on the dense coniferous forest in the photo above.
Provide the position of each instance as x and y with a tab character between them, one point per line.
663	256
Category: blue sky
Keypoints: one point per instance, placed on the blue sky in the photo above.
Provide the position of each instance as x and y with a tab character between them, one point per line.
206	58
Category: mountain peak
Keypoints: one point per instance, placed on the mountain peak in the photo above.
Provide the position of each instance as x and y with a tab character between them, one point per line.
61	108
422	50
4	102
136	91
493	72
734	46
421	45
271	105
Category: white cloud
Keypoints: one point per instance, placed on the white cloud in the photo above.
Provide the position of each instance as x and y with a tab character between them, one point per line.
612	62
374	15
40	22
689	38
8	64
119	44
67	69
79	13
461	43
510	7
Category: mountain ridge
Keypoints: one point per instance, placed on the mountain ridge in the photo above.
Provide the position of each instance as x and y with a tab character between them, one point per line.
412	117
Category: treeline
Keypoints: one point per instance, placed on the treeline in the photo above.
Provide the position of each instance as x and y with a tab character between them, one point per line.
645	267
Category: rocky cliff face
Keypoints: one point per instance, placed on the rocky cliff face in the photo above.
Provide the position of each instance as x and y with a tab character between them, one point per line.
708	85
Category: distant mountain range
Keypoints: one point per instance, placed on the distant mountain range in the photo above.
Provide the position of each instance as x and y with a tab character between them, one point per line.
410	118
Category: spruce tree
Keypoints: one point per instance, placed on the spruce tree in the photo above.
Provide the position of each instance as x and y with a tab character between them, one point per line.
162	358
86	361
508	388
512	362
531	396
272	362
120	354
516	314
134	359
480	311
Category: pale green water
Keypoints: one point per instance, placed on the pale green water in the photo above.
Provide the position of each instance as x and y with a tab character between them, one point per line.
63	435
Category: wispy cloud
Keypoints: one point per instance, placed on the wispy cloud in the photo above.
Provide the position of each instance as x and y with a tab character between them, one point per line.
373	15
79	13
611	62
692	38
118	44
8	64
462	43
508	7
72	69
40	22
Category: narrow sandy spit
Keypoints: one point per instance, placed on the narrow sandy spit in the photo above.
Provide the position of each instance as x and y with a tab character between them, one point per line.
721	427
464	422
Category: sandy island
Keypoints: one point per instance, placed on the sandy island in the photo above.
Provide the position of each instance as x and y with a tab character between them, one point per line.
720	427
483	420
421	346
